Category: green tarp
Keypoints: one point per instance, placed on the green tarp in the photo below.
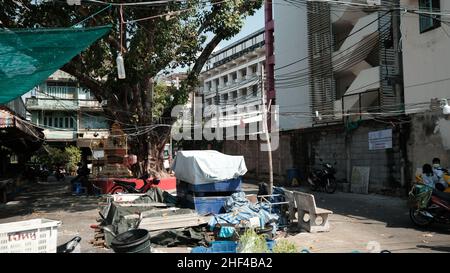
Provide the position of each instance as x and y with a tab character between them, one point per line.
29	56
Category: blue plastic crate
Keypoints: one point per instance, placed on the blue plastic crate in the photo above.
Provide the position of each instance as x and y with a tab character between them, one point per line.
200	249
270	244
206	205
223	247
230	185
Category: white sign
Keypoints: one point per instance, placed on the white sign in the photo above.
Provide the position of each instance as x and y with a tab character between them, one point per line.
380	140
97	154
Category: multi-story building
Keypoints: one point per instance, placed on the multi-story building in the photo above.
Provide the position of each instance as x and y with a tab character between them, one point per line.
338	84
426	65
69	113
231	80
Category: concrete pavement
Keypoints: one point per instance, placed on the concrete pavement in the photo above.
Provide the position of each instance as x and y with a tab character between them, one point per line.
360	222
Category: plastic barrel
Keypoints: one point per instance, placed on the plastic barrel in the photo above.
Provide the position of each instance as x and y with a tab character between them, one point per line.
291	175
132	241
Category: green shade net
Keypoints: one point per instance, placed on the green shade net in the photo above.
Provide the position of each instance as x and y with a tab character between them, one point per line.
30	56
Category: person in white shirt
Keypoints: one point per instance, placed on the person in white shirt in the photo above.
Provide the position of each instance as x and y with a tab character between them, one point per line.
439	172
428	177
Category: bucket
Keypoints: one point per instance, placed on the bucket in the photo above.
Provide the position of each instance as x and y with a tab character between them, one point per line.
132	241
293	177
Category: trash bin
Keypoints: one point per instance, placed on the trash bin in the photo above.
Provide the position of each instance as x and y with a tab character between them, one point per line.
293	176
132	241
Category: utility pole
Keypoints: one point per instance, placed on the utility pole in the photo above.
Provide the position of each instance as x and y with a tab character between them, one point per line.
266	130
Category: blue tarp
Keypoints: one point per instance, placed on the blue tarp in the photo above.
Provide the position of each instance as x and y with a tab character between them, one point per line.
239	208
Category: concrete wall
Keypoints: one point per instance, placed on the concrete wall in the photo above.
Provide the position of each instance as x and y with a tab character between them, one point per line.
350	149
429	138
426	59
291	44
257	161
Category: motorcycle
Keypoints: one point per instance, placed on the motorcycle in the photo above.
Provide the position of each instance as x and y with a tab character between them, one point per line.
323	178
437	209
130	187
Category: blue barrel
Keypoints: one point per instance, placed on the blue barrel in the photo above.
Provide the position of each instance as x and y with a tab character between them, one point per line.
292	174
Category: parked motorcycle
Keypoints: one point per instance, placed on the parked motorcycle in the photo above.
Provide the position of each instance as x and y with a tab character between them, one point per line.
436	210
323	178
130	187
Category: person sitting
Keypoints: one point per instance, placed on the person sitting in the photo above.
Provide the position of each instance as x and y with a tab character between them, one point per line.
82	174
441	185
428	176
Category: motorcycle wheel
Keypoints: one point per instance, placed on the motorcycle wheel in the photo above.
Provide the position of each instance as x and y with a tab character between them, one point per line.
418	219
118	189
330	186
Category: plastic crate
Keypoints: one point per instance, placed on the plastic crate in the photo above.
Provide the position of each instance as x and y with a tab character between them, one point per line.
32	236
206	205
223	247
229	185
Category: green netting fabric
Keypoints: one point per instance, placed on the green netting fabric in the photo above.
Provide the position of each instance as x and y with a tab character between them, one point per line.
29	56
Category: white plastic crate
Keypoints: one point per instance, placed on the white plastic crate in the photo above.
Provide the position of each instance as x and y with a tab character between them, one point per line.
32	236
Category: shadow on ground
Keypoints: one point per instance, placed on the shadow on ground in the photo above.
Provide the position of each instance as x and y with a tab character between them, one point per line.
47	197
370	209
440	248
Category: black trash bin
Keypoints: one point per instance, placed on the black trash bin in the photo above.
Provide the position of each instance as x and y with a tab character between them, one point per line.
132	241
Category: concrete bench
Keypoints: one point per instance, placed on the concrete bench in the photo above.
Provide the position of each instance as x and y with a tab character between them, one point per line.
289	196
306	204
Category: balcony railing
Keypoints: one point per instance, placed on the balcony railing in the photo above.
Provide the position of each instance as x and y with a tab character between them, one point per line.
60	104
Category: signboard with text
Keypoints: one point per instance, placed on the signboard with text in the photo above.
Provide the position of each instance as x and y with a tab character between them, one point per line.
380	140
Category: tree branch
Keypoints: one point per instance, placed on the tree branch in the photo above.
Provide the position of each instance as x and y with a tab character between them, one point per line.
201	60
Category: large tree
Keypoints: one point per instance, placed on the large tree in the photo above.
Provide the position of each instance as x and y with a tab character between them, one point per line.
156	38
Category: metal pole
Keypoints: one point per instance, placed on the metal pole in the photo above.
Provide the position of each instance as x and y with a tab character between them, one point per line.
266	131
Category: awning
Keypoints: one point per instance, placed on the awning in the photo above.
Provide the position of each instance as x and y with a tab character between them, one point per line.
19	134
29	56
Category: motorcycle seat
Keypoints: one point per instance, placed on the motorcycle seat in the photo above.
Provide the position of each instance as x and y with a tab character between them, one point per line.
125	183
442	195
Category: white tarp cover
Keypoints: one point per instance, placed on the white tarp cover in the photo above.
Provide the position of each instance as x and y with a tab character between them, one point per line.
202	167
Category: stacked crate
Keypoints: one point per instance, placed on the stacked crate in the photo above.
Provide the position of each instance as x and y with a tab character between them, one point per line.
207	198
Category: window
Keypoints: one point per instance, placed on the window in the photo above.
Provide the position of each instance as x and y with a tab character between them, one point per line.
427	21
45	121
66	125
71	123
255	90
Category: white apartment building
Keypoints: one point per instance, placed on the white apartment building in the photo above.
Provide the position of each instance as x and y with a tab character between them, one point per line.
426	54
231	80
337	60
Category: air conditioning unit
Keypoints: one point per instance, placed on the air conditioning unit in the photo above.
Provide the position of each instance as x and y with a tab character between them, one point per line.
374	2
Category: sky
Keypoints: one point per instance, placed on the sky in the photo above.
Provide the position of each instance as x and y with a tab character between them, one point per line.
252	24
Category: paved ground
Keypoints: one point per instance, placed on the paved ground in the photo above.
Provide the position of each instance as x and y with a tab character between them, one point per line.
359	223
369	222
